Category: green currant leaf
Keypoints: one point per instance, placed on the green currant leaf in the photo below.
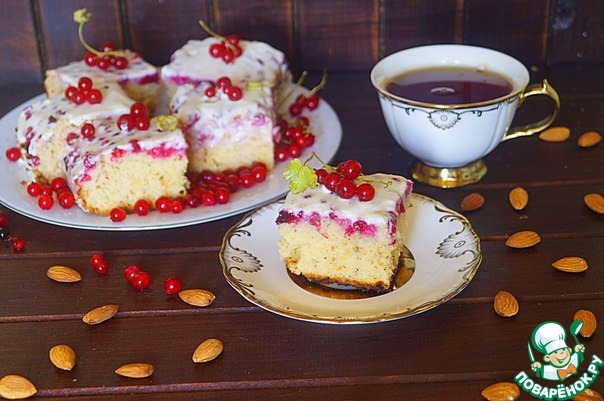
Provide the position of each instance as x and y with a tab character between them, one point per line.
299	176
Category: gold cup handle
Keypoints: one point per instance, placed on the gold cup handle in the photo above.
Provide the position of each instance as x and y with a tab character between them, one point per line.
538	89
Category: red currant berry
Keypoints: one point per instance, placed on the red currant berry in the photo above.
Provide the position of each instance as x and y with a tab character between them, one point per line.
45	202
309	140
163	204
246	180
70	92
94	96
295	110
103	63
331	180
193	201
117	214
96	258
223	82
141	280
125	122
142	123
17	243
172	285
208	199
142	207
365	192
131	271
235	93
350	169
259	173
78	97
13	154
321	174
346	188
303	121
281	153
138	109
121	63
312	102
66	200
88	130
301	100
102	267
84	84
233	39
91	59
3	219
58	183
222	195
33	189
46	190
210	91
228	56
232	180
294	150
217	50
176	206
107	47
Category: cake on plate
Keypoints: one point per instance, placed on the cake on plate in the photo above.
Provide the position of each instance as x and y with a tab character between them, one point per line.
349	242
225	132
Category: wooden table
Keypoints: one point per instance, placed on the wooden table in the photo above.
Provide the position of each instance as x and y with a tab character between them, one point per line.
451	352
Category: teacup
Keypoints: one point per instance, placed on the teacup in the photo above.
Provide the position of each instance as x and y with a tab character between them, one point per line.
442	124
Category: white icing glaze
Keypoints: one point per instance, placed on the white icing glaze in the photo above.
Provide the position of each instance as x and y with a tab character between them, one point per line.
209	120
387	200
192	63
138	71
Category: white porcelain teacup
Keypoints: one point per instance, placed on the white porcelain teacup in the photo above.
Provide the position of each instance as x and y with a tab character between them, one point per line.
449	139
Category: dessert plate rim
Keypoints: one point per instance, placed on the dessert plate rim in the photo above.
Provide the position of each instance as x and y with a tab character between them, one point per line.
443	243
14	177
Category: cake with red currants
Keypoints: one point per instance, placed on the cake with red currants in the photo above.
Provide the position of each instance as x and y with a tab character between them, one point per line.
338	227
44	127
121	163
209	59
226	126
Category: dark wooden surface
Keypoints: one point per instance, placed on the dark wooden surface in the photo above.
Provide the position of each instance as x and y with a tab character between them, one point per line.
450	352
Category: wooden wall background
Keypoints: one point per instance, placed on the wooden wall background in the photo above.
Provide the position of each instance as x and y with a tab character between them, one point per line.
337	35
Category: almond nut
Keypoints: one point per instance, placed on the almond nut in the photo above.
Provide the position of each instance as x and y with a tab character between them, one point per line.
472	202
518	198
595	202
63	274
589	322
588	139
14	387
62	356
571	264
588	394
136	370
100	314
523	239
197	297
555	134
505	304
207	350
502	391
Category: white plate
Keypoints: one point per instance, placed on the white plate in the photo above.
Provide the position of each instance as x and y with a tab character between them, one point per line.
444	246
13	178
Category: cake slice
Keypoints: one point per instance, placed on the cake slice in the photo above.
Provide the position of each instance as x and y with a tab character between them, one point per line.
43	128
346	242
225	133
115	169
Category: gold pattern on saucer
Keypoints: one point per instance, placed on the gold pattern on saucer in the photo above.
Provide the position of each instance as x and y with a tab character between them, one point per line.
449	177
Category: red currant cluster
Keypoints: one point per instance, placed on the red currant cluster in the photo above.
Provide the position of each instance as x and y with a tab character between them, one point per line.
17	243
292	139
227	49
342	181
13	154
224	83
99	264
106	59
310	102
207	189
141	280
44	193
137	119
84	92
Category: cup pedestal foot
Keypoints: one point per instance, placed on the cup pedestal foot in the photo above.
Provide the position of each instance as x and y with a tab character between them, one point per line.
449	177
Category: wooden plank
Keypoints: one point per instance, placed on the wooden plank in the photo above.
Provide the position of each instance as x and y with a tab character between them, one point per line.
158	33
59	32
20	62
339	34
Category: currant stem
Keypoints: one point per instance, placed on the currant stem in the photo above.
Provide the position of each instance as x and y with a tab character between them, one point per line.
216	35
320	85
298	84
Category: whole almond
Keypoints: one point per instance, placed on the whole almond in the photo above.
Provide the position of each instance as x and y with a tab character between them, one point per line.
502	391
555	134
588	139
571	264
15	387
589	322
136	370
63	274
100	314
588	395
197	297
505	304
472	202
207	350
523	239
518	198
62	356
595	202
